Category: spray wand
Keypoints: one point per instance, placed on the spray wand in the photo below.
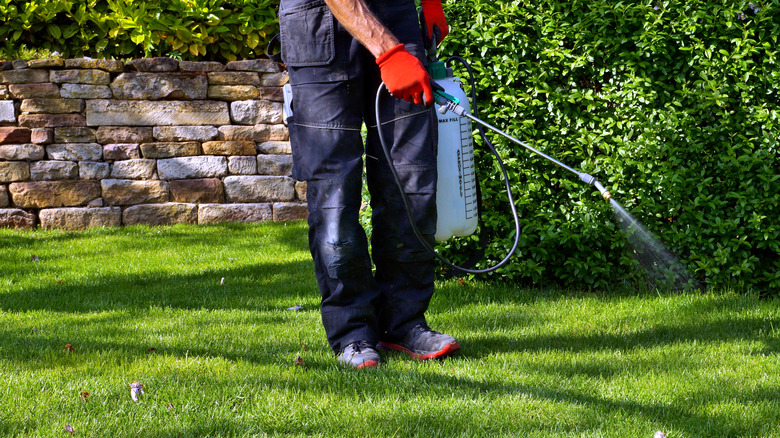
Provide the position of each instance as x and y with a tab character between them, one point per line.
448	103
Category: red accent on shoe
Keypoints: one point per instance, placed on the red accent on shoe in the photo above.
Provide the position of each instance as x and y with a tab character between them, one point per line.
447	350
367	364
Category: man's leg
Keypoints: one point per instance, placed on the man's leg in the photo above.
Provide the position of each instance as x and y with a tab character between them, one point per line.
323	62
404	268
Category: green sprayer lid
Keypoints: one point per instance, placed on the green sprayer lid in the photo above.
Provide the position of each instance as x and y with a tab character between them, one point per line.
437	70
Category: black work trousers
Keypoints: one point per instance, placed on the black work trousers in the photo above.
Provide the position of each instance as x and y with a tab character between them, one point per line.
334	81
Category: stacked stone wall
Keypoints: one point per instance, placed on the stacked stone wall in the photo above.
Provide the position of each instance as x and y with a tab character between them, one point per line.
87	143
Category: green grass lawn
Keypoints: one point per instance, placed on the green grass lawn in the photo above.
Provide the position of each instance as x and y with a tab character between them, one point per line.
217	358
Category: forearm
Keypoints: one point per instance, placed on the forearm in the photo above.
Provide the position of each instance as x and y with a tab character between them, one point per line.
359	21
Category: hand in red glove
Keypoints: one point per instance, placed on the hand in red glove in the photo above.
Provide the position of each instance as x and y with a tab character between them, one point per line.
434	20
405	76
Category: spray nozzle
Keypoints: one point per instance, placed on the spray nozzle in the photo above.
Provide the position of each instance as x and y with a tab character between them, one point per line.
591	180
604	192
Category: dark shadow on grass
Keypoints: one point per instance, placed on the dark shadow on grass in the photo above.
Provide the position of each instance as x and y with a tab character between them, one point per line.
730	330
246	287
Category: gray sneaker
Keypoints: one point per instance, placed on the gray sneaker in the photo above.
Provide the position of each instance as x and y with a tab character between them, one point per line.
359	355
423	343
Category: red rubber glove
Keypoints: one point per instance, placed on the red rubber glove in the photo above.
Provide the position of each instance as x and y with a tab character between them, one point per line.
434	19
405	76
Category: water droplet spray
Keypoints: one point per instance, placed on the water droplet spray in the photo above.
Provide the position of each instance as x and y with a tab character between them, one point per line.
664	270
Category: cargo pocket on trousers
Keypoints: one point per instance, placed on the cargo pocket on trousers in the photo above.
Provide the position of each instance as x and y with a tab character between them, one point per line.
307	36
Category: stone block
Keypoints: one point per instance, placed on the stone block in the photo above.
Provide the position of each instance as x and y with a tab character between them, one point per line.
274	165
170	149
53	170
234	147
3	197
133	169
121	151
234	78
124	134
98	202
254	112
132	192
192	167
197	191
185	133
242	165
21	152
85	91
271	93
11	171
12	134
75	151
161	214
256	65
26	76
157	86
42	135
290	211
274	79
256	133
75	76
93	170
275	147
46	194
4	93
6	65
159	64
74	134
239	189
109	65
233	92
300	190
52	106
7	111
80	218
147	113
51	120
220	213
46	63
16	218
31	91
204	66
19	64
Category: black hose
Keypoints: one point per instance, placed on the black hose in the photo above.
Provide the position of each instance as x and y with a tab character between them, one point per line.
405	199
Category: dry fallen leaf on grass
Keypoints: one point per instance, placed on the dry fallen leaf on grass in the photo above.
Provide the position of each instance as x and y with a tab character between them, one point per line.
84	396
35	258
70	429
299	361
69	348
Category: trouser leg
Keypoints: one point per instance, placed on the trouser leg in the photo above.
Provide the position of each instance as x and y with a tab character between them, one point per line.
404	268
334	81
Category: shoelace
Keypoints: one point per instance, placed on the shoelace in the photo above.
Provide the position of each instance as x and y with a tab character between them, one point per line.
360	346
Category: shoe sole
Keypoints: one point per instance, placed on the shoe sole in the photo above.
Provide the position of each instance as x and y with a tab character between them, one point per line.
447	350
367	364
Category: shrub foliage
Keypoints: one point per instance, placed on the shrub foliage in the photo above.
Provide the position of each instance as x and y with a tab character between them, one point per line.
186	29
673	105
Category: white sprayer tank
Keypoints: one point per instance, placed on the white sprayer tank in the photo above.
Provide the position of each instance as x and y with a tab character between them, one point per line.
456	190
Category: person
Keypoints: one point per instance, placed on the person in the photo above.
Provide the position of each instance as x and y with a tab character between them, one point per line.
337	53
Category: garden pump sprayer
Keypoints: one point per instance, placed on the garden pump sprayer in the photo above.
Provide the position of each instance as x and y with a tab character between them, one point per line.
457	186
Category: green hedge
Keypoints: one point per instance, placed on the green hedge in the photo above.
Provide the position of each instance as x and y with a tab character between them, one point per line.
673	105
186	29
